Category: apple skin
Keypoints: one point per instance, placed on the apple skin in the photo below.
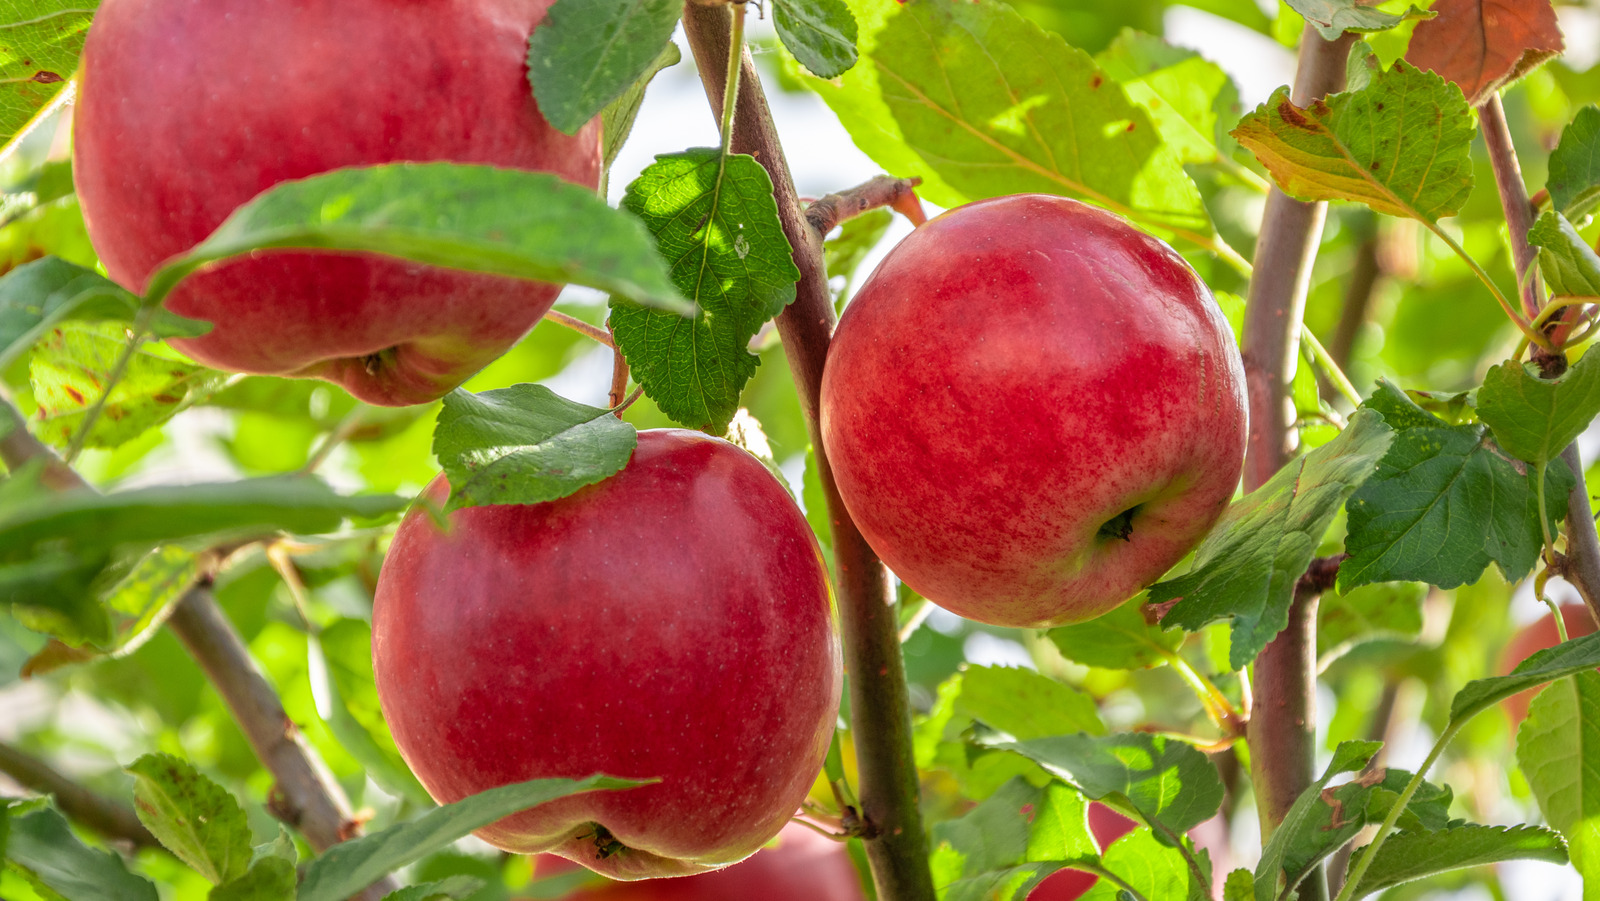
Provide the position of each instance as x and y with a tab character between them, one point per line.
670	622
802	866
1015	374
189	108
1536	636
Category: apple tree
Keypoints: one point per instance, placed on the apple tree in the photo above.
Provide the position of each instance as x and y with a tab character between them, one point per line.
436	468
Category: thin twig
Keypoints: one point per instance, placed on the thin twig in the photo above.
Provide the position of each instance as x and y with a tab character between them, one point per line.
581	327
1283	719
1582	565
619	376
880	191
879	702
111	819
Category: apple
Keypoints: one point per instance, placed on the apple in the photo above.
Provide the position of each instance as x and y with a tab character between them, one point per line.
1033	410
188	109
671	622
802	866
1536	636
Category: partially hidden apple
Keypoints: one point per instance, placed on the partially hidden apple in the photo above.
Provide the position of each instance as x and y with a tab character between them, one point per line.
188	109
670	622
1033	410
801	866
1536	636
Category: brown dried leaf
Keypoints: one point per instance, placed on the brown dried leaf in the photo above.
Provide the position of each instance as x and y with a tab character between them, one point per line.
1484	45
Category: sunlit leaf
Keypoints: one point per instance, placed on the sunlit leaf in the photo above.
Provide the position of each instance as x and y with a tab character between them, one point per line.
194	817
587	53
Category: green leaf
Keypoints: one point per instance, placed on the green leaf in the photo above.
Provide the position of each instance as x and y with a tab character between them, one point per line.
1565	659
1010	842
42	41
1444	503
42	846
1121	639
74	362
1024	704
980	102
1172	786
268	879
717	226
53	594
1240	886
1385	611
1247	567
339	668
1574	181
1406	856
588	53
456	887
1335	17
506	222
36	297
1190	99
1151	867
144	597
616	120
151	516
1535	419
526	444
1401	145
194	817
1569	265
820	33
1555	750
1302	839
844	253
351	866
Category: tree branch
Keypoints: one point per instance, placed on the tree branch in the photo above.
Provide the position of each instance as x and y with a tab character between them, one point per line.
1283	722
1582	565
111	819
304	795
879	702
882	190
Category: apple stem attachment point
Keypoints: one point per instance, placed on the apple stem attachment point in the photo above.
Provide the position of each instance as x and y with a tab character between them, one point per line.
1119	526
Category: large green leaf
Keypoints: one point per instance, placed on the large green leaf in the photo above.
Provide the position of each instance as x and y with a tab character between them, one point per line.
506	222
39	45
980	102
1565	659
1121	639
1010	842
1401	145
587	53
1150	867
1574	181
1555	750
820	33
1535	419
717	226
1414	855
1192	102
1444	503
525	444
351	866
194	817
1247	568
616	120
42	845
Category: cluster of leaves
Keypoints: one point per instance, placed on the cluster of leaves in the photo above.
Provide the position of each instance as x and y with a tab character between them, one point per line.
977	99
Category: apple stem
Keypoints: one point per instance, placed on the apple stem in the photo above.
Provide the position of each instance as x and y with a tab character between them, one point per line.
603	335
1282	725
880	191
893	833
619	375
304	794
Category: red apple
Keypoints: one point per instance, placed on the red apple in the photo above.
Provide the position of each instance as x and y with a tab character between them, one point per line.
188	109
670	622
1536	636
1033	410
802	866
1069	885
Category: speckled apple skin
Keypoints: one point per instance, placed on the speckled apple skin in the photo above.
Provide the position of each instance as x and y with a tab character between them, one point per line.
189	108
1017	372
670	622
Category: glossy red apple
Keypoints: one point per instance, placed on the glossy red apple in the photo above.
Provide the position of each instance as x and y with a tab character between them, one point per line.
802	866
670	622
1033	410
1536	636
187	109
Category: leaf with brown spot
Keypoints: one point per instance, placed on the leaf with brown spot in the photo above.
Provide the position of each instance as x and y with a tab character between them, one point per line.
42	41
1484	45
